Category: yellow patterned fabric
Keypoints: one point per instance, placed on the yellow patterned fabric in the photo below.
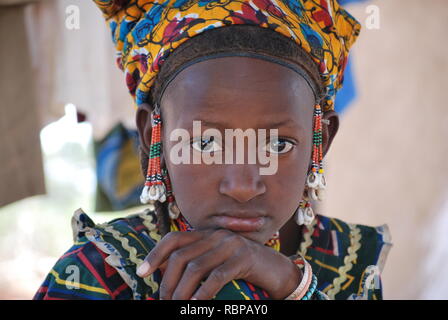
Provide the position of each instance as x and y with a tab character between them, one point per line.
145	32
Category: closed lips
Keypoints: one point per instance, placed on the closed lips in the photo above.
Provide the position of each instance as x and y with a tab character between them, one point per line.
249	223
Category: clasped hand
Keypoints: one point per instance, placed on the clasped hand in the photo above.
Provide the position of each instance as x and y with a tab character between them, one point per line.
218	256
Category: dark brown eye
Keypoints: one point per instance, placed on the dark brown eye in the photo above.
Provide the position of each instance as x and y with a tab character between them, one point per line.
279	145
206	145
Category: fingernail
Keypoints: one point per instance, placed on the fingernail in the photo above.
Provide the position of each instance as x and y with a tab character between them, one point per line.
143	269
194	298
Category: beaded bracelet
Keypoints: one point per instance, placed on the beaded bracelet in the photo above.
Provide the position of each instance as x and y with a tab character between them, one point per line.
311	289
320	295
304	286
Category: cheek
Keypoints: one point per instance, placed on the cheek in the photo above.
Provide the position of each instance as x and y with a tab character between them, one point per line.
195	186
192	186
286	187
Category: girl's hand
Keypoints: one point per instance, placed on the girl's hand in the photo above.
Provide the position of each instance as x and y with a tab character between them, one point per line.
187	258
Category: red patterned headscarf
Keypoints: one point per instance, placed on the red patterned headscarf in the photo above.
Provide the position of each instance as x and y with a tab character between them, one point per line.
145	32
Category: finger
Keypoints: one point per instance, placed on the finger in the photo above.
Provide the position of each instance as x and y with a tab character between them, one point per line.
199	268
176	264
164	248
218	278
163	266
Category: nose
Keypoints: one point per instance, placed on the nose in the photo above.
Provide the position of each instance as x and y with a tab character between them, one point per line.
242	182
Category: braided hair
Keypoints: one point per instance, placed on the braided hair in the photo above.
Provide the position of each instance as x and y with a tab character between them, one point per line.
246	38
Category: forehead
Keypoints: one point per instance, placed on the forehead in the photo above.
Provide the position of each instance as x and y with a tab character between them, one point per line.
232	88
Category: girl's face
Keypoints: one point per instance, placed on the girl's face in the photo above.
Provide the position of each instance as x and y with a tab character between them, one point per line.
244	93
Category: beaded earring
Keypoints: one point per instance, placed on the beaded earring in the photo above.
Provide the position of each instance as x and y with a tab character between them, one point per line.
304	214
315	182
154	189
158	185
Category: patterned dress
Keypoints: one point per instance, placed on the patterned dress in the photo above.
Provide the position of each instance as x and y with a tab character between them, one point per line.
346	258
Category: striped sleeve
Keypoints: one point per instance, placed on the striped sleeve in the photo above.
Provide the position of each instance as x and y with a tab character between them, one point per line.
83	274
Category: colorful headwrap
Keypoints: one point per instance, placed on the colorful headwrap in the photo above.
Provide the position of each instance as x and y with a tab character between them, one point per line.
145	32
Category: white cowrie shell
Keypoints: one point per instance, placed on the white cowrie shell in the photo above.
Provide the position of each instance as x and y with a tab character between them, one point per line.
322	182
309	216
321	194
173	210
313	194
313	180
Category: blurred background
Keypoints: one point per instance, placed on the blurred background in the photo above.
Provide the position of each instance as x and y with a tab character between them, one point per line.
68	140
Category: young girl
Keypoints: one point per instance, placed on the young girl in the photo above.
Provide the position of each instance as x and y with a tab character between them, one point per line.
219	228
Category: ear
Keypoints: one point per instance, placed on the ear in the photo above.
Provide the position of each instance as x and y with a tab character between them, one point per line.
329	130
143	121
